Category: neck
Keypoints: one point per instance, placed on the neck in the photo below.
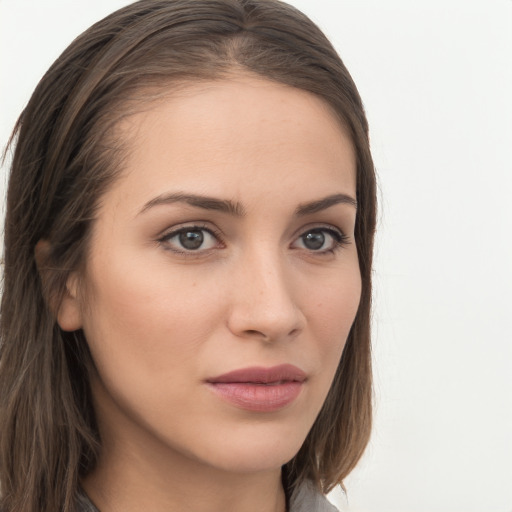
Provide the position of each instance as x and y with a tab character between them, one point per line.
137	472
131	484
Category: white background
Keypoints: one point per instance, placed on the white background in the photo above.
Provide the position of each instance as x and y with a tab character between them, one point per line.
436	78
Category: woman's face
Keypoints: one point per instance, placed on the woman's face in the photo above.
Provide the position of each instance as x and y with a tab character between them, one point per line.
222	278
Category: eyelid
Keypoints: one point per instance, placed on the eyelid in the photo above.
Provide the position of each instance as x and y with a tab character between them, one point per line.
167	235
338	235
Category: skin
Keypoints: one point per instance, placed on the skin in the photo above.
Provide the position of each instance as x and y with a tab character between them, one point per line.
160	319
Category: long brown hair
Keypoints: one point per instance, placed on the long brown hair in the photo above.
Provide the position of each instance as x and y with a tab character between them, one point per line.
65	157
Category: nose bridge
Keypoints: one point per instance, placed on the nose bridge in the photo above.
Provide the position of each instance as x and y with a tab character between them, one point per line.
265	304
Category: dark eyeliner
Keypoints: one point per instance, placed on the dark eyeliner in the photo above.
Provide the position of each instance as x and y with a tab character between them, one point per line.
339	238
168	235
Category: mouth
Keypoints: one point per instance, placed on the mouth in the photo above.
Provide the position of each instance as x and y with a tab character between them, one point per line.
260	389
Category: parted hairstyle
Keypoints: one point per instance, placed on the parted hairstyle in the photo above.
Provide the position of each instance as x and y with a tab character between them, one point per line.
66	155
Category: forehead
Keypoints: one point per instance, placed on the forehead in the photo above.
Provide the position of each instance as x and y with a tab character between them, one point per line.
219	137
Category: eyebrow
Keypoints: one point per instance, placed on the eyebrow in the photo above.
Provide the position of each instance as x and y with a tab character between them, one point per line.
204	202
236	209
324	203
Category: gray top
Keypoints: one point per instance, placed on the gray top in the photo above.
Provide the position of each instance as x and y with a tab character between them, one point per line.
304	499
307	499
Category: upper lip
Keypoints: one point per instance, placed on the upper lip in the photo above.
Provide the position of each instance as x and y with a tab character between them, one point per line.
262	375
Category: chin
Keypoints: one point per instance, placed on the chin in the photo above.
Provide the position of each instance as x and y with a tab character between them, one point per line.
251	448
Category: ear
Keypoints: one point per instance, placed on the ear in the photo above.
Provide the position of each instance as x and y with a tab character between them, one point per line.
67	312
69	315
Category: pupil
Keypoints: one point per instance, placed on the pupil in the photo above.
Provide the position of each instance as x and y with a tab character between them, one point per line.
314	240
191	239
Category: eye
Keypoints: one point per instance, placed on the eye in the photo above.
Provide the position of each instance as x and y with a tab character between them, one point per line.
190	239
321	240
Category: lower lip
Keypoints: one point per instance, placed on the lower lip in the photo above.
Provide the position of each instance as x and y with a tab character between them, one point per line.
258	397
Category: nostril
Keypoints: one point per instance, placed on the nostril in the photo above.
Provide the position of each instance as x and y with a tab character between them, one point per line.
265	320
256	333
267	337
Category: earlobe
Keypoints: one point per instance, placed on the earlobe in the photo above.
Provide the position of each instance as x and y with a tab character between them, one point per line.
69	316
66	308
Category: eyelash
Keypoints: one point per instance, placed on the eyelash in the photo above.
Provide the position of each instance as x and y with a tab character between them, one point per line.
165	239
338	237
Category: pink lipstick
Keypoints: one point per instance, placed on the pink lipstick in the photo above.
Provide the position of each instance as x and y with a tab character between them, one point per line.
260	389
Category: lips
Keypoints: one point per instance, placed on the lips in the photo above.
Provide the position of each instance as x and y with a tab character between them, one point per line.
260	389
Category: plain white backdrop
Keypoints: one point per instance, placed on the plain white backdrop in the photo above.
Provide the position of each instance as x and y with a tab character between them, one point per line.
436	79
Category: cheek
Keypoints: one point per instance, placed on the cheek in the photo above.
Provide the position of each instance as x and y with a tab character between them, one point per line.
335	306
144	319
334	312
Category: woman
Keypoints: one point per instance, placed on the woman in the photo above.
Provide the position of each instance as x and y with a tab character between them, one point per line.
188	246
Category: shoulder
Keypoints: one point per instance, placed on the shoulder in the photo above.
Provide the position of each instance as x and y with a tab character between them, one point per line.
83	503
307	499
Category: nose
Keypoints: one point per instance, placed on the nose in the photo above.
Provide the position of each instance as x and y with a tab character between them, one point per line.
264	302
